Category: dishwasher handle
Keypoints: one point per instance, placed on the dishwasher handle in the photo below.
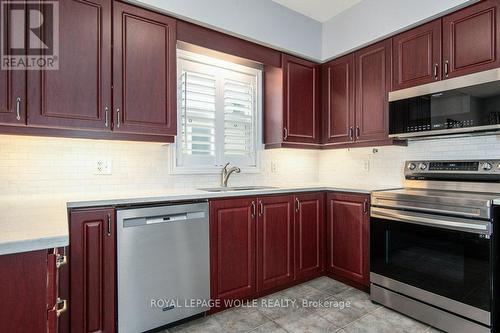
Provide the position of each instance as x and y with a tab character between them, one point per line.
166	218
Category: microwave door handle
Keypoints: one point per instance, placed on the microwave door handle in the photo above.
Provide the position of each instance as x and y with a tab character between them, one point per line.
433	221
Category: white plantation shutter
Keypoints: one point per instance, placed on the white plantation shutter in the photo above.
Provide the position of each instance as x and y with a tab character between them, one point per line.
239	120
218	114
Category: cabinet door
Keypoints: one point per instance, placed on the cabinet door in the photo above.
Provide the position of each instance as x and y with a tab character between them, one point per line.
309	234
144	78
302	110
232	248
348	237
79	92
12	85
373	78
417	56
471	40
23	290
338	76
92	270
275	242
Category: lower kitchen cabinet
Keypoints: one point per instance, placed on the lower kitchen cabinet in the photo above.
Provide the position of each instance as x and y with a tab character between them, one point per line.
233	248
348	238
309	235
29	292
92	270
275	244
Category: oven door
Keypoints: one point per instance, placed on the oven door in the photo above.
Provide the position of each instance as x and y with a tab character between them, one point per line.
439	260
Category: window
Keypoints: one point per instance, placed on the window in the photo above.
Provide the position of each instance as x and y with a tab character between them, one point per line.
219	115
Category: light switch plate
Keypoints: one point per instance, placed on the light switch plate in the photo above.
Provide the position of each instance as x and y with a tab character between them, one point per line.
274	167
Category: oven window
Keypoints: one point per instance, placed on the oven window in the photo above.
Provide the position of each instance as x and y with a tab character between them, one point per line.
449	263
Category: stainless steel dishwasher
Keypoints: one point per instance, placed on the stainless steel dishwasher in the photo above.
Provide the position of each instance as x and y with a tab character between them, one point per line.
163	264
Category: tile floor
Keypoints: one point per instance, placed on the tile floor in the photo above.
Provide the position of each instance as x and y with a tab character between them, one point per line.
361	316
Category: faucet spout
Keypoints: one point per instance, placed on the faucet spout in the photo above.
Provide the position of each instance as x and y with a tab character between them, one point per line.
226	172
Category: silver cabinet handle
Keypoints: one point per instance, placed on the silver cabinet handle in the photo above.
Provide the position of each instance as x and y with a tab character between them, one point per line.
436	69
254	209
351	133
286	133
109	225
118	120
297	204
18	108
365	207
357	132
61	260
106	116
446	68
64	303
261	208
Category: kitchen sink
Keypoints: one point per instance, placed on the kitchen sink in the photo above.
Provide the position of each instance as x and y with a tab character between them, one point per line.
238	188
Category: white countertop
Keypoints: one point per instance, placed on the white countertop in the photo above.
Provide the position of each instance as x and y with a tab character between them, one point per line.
35	223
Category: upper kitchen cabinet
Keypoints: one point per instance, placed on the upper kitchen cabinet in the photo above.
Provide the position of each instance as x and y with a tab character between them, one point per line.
292	104
12	87
471	40
373	83
417	56
78	94
338	100
144	76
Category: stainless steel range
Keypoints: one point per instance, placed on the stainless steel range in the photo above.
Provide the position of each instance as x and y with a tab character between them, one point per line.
433	249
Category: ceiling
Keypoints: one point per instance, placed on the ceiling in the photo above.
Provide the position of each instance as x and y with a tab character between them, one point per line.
320	10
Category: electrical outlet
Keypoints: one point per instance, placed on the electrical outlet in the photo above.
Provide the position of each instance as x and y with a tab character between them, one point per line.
274	167
366	165
103	167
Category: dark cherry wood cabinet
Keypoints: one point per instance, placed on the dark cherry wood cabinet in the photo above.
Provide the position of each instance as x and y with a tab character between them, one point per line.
29	289
338	100
292	112
233	248
471	39
144	75
12	85
92	270
302	103
275	242
348	238
78	94
309	235
373	83
417	56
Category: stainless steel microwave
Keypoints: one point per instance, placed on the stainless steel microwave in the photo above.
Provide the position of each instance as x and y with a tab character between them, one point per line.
461	105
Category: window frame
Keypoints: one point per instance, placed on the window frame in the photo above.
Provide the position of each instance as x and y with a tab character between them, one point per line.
256	71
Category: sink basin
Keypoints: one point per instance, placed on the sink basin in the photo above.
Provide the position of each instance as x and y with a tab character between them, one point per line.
237	188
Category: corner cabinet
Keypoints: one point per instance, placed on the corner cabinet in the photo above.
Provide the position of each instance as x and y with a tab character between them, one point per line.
292	113
92	270
144	75
348	238
355	98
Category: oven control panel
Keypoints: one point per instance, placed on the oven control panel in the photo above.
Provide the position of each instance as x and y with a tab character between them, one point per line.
452	169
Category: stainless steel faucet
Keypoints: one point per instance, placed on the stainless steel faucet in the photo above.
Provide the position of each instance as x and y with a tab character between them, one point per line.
226	173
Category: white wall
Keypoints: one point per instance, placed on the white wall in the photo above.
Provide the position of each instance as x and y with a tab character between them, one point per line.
60	166
262	21
372	20
346	168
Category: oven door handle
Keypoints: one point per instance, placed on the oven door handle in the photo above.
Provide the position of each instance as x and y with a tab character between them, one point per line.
443	222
